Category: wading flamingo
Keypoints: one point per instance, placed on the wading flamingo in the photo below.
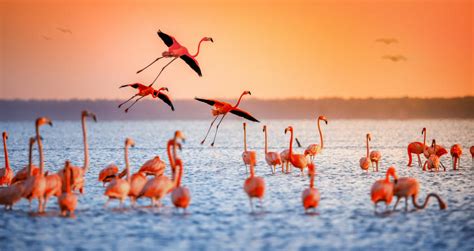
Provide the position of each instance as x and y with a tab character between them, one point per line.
364	161
375	157
409	187
67	201
155	167
456	152
382	190
433	160
108	174
177	139
314	149
222	108
11	195
272	158
248	156
6	174
297	160
254	186
119	188
436	149
417	148
137	182
144	91
310	197
180	196
285	160
175	50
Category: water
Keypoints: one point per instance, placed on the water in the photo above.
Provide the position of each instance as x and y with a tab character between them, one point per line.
219	218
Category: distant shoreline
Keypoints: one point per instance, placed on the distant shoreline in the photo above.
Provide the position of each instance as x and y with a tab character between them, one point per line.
335	108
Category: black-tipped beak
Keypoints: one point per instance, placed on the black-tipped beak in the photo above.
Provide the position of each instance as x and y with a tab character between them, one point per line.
94	117
286	130
50	123
122	86
212	40
250	93
326	121
166	88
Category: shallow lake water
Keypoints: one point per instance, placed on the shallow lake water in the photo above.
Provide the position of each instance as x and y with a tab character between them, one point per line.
219	216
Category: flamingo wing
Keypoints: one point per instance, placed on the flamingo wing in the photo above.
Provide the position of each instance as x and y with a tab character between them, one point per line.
243	114
192	63
166	99
134	85
208	101
167	39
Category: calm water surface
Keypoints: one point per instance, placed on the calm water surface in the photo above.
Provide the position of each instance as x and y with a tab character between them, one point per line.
219	217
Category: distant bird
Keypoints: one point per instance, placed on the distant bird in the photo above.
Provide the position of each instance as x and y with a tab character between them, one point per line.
406	187
364	161
382	190
394	58
272	158
310	196
417	148
297	160
175	50
248	156
375	157
386	41
222	108
254	186
67	201
6	174
456	152
64	30
144	91
314	149
46	37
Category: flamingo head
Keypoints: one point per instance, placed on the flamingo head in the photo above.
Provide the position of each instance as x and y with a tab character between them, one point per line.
369	137
323	118
92	115
129	142
43	120
306	152
433	143
264	128
208	39
391	171
423	131
179	135
244	125
289	129
246	93
5	135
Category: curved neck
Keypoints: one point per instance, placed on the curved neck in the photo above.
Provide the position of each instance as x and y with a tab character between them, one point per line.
266	148
367	139
320	134
180	174
30	159
240	98
5	150
170	156
387	176
199	48
291	143
86	146
127	166
40	149
245	138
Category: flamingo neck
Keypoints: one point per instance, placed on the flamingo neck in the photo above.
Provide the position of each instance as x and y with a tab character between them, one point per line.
30	159
127	166
311	181
320	134
40	149
424	138
245	138
367	139
266	148
252	170
180	174
68	179
5	150
291	144
240	98
199	48
170	156
86	146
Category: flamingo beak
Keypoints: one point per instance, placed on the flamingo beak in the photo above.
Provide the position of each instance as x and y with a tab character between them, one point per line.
210	39
326	121
94	117
50	123
250	93
286	129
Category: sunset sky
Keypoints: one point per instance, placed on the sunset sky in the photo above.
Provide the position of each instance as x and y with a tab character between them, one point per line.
276	49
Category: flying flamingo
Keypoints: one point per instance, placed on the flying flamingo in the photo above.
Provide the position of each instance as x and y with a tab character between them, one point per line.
144	91
310	196
222	108
375	157
254	186
364	161
416	148
272	158
409	187
456	152
297	160
433	160
67	201
314	149
119	188
382	190
6	174
175	50
248	156
180	196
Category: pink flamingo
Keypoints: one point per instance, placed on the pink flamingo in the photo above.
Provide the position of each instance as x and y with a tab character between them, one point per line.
108	173
155	167
456	152
407	187
297	160
175	50
67	201
272	158
375	157
180	196
364	161
175	141
310	197
6	174
416	148
248	156
314	149
285	160
144	91
433	160
382	190
254	186
223	108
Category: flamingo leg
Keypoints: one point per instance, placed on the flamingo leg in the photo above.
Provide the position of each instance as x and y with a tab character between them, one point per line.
138	99
107	203
251	204
396	203
162	71
377	165
208	130
419	160
217	129
127	100
406	204
154	61
442	165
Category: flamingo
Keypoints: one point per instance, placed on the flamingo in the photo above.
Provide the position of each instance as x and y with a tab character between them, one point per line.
436	149
180	196
222	108
176	50
471	149
314	149
248	156
177	138
407	187
6	174
297	160
456	152
137	182
67	201
382	190
310	196
285	159
119	188
417	148
108	173
375	157
272	158
10	195
144	91
155	167
433	160
254	186
364	161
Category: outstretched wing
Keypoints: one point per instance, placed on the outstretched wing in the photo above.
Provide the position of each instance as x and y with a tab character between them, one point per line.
192	63
134	85
207	101
167	39
166	99
243	114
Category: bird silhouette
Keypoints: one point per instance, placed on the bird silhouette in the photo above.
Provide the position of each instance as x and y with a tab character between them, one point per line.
64	30
386	41
394	58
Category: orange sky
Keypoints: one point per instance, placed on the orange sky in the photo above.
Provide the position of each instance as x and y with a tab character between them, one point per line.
276	49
